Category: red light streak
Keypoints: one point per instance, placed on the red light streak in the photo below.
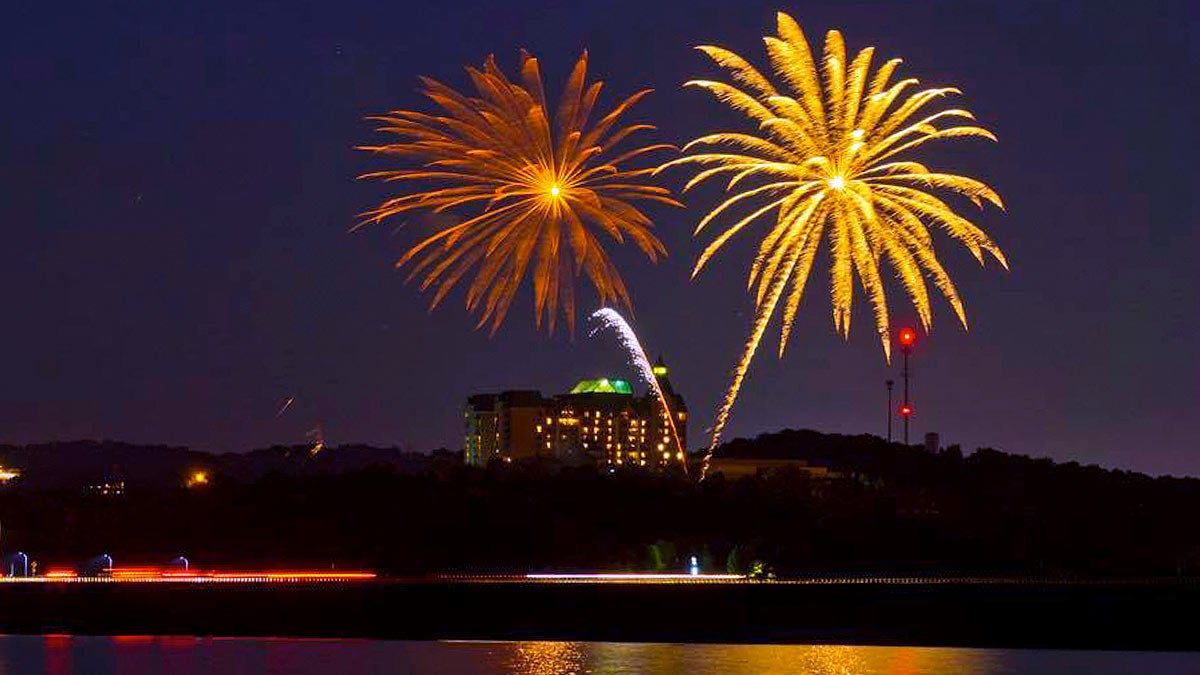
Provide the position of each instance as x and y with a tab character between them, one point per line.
158	575
60	574
124	572
133	638
286	575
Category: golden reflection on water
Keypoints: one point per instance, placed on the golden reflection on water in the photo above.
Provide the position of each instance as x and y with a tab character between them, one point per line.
146	655
546	658
611	658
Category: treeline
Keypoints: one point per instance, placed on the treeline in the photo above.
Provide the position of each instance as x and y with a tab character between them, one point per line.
889	509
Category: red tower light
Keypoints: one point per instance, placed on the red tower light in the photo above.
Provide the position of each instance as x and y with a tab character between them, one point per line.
906	410
907	337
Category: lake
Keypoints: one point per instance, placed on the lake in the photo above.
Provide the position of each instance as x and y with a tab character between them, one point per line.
138	655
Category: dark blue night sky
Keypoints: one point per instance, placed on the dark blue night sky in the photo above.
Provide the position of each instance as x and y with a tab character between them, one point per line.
177	184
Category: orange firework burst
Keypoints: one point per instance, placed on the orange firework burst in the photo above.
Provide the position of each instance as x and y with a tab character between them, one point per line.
541	187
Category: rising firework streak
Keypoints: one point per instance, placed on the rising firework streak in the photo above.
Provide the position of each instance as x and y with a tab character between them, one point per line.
609	318
287	404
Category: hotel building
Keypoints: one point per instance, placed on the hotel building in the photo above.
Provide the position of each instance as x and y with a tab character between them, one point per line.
599	421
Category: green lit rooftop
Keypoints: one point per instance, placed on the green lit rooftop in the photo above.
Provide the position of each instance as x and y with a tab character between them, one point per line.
602	385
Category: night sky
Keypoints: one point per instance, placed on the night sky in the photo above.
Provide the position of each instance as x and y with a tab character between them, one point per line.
177	187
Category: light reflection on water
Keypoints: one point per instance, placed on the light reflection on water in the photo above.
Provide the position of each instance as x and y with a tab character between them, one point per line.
141	655
545	658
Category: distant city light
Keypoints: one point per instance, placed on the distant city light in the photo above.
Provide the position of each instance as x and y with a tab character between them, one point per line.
109	488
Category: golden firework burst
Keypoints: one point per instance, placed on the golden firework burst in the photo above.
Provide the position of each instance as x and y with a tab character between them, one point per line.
537	189
833	160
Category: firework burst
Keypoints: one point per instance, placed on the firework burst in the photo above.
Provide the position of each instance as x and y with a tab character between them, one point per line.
534	190
833	160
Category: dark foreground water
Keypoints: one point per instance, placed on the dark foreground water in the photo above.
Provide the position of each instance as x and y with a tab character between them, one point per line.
63	655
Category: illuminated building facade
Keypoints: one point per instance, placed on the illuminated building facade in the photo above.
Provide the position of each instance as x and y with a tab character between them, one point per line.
599	421
482	441
504	426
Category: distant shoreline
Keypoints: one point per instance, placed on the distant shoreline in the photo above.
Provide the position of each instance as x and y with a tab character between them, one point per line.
1138	614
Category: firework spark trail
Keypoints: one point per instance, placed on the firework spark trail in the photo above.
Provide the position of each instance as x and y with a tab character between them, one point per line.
609	318
834	159
287	404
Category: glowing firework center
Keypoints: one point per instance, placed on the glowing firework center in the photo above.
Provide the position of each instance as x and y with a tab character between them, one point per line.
598	421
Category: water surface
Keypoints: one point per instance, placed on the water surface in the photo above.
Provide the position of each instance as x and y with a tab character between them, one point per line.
134	655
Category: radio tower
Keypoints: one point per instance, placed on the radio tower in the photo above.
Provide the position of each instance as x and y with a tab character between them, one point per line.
889	384
907	337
